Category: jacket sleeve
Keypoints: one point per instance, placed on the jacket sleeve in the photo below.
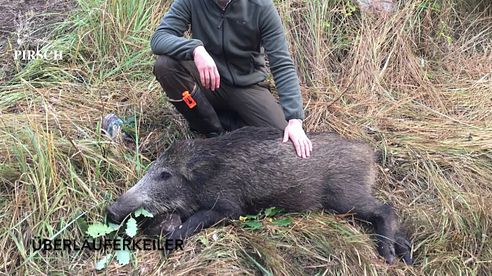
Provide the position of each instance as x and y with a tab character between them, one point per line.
168	38
281	64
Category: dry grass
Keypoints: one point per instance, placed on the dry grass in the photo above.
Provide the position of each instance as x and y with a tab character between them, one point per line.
416	84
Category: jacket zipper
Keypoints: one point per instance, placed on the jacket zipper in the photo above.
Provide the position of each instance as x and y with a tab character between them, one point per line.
221	25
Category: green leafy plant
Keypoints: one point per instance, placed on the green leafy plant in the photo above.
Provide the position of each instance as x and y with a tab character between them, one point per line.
123	256
349	9
254	222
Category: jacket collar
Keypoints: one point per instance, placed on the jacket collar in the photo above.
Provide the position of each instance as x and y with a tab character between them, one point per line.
222	3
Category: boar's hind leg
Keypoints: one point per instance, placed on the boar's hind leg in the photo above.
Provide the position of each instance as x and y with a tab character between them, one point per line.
385	225
390	239
367	208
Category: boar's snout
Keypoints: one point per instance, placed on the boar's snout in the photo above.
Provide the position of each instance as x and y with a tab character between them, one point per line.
130	201
113	215
126	204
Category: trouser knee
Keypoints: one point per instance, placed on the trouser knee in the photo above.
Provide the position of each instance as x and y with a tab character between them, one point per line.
200	115
165	66
173	76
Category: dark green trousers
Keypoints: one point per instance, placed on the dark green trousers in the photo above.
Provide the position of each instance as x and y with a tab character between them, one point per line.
252	105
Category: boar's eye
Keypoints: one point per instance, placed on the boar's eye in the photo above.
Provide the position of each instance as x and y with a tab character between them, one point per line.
164	175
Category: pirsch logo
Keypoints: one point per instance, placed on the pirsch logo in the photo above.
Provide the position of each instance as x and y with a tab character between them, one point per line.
38	55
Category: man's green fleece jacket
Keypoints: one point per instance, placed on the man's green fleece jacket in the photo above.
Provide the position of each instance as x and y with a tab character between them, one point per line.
236	38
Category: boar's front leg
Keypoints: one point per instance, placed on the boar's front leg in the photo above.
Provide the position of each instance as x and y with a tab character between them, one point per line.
196	222
162	224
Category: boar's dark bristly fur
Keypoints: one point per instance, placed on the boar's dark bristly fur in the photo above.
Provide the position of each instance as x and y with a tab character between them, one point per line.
242	172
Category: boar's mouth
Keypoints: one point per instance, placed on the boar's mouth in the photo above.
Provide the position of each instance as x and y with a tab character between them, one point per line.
119	210
162	224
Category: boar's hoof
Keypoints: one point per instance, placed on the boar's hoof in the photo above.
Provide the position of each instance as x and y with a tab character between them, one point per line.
403	248
387	250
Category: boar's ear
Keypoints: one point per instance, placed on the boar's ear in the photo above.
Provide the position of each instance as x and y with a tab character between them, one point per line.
200	169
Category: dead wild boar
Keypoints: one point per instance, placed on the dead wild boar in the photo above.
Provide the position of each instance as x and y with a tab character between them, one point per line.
242	172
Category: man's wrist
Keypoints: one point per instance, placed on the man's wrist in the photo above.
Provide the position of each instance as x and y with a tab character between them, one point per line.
197	48
295	121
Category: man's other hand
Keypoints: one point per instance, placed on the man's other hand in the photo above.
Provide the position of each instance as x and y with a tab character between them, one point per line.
209	75
296	134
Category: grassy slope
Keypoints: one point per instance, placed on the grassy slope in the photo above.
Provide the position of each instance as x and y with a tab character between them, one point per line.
416	85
